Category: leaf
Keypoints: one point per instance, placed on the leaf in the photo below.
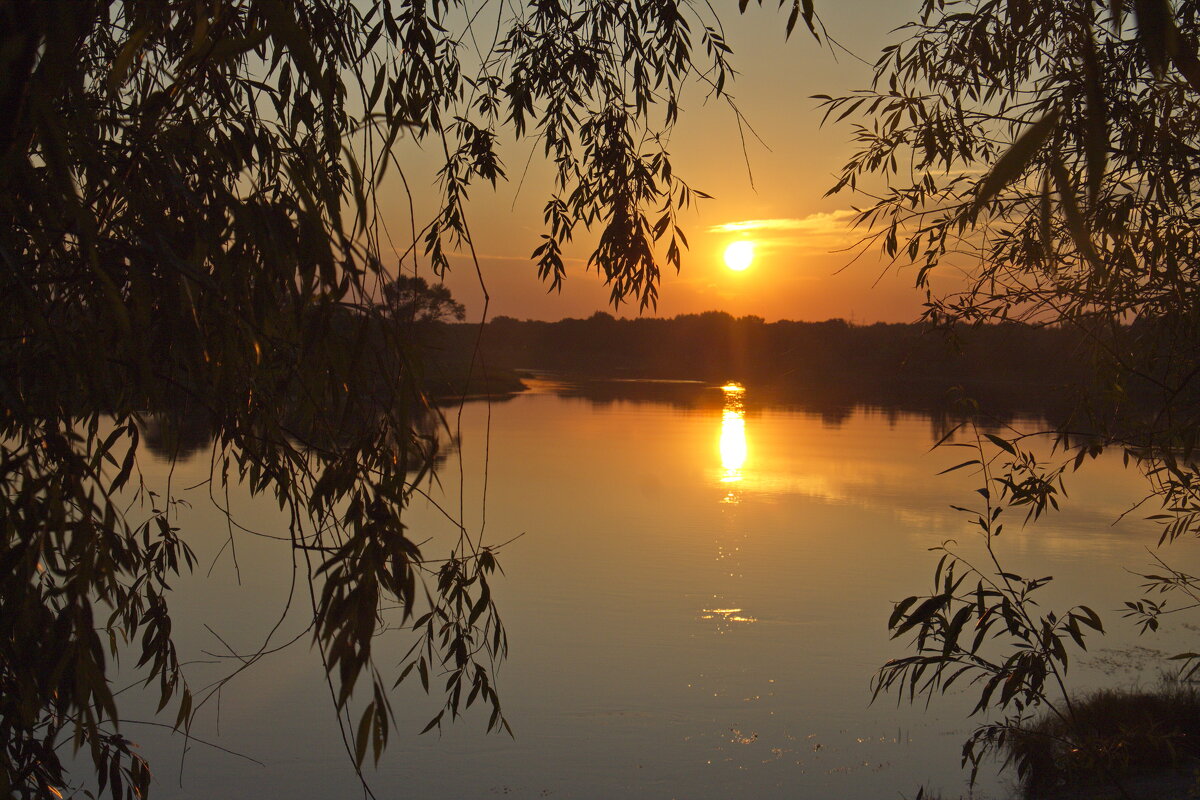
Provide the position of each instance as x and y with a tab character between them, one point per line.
791	23
229	48
805	8
953	631
478	608
810	18
947	436
127	463
960	466
922	614
404	673
124	59
363	736
1074	218
1044	219
281	23
1002	443
103	452
1091	619
899	610
1015	160
433	723
1072	627
183	718
376	89
1095	121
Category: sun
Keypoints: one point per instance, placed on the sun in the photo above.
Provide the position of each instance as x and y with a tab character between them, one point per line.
739	255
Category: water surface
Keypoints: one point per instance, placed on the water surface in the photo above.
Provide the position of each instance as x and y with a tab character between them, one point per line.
695	605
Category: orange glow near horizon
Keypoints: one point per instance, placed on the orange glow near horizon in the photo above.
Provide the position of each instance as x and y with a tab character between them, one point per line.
767	200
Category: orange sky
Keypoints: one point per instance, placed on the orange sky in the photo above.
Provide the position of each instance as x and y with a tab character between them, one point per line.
798	272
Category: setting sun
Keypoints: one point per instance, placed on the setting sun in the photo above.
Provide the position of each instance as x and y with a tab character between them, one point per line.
739	255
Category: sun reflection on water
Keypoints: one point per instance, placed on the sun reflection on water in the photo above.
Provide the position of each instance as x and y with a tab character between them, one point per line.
723	607
726	615
733	434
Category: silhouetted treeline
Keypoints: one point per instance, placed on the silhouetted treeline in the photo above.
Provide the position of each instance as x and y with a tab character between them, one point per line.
1010	368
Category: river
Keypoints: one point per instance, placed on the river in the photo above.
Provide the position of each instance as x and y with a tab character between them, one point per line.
696	593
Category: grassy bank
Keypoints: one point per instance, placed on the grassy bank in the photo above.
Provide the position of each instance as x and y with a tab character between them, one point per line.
1114	743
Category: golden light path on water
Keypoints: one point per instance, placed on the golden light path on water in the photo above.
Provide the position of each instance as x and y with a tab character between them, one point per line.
733	433
733	459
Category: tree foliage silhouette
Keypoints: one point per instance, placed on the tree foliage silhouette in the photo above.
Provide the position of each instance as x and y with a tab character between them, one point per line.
1045	149
189	191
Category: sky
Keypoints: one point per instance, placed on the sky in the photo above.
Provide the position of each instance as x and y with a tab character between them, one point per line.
771	194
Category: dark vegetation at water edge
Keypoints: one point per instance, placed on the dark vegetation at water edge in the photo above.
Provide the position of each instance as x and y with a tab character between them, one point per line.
1011	368
353	346
1117	743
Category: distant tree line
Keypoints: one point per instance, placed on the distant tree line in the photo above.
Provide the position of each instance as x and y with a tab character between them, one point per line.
1011	367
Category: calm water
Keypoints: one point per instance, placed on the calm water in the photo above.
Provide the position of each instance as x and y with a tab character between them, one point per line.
695	608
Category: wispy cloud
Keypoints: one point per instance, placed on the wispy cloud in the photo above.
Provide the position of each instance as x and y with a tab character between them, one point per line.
822	222
822	232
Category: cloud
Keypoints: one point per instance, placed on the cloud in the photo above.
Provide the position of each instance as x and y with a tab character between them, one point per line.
822	222
822	232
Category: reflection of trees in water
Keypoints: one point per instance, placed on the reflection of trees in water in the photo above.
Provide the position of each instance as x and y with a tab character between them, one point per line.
177	435
185	430
683	395
182	432
835	402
